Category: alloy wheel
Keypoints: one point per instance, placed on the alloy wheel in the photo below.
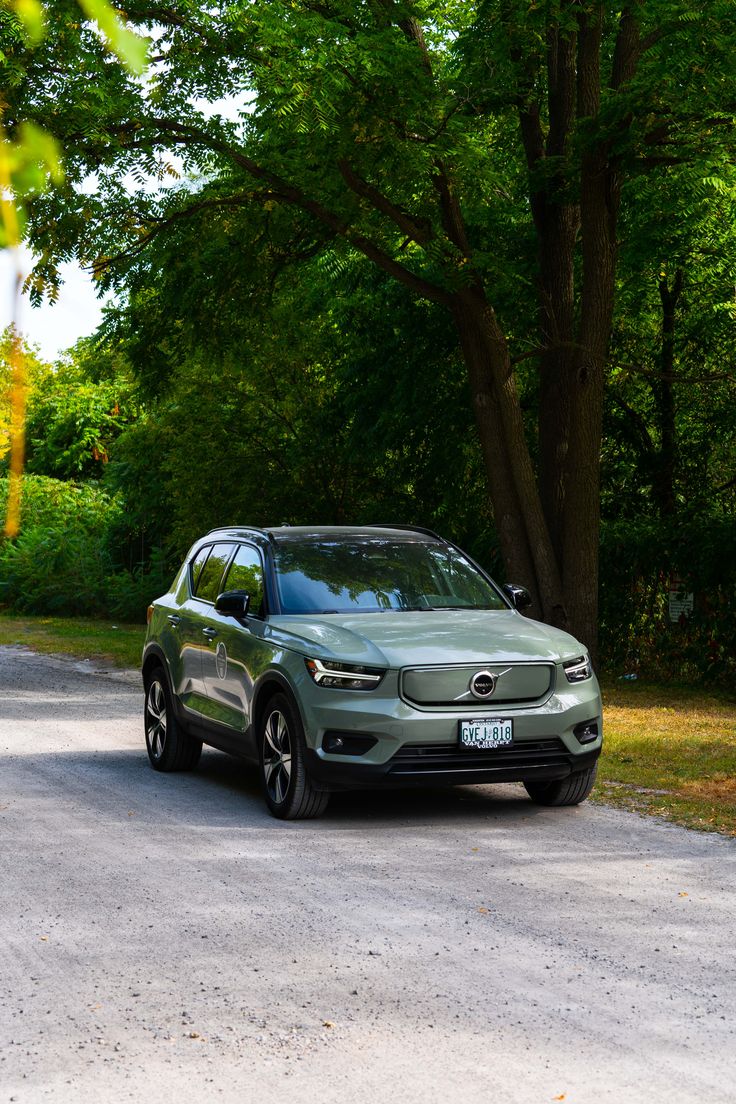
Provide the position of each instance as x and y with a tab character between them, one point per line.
277	757
156	719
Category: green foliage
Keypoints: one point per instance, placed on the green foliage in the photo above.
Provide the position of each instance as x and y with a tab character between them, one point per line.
64	562
326	391
638	561
50	503
58	563
53	570
129	593
72	422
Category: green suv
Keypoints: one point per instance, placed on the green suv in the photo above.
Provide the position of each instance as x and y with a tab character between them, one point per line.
343	658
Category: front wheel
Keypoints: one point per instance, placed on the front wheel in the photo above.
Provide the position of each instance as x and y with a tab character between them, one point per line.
169	747
570	791
287	787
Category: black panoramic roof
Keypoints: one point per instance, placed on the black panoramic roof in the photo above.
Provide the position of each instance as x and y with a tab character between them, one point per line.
282	534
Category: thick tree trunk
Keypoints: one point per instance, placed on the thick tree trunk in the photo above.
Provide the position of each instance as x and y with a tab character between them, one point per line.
523	533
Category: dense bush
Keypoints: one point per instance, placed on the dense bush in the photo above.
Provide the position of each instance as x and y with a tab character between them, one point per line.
63	561
639	560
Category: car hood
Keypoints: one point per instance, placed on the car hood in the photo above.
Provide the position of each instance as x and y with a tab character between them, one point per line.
400	639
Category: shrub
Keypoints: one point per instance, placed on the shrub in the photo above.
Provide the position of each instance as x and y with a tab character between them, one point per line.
129	593
638	562
58	564
58	570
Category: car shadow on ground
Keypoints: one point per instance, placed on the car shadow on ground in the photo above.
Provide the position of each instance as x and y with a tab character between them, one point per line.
225	792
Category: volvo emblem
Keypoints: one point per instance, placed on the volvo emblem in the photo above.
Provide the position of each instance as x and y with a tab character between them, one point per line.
483	684
221	660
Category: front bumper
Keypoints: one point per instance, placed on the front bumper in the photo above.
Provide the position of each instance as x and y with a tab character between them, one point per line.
445	765
415	746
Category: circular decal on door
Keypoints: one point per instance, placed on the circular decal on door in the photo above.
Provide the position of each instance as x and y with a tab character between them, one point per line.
221	660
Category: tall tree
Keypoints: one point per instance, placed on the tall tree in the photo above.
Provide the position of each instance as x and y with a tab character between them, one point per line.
395	129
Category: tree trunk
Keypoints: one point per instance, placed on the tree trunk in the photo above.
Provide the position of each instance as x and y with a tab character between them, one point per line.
523	533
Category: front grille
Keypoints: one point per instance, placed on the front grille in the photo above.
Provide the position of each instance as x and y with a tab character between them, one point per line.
443	758
443	687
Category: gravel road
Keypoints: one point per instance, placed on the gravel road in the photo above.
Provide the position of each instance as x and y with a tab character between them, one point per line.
165	940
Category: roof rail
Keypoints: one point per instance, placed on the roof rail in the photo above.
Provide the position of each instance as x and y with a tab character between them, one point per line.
229	529
409	529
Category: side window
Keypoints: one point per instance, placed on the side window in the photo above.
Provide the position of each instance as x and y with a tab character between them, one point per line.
197	564
246	573
208	584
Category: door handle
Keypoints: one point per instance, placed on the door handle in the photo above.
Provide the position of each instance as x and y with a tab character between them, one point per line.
173	619
210	633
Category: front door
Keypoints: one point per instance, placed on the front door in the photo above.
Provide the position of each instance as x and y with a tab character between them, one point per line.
236	653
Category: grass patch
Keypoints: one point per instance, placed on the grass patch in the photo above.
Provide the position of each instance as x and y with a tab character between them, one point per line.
106	641
670	752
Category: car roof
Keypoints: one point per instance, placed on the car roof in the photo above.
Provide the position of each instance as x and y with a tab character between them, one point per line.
282	534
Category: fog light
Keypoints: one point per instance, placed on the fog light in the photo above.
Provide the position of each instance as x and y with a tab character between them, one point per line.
586	732
347	743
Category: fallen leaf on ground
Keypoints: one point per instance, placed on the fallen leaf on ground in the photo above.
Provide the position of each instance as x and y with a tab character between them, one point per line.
327	1023
482	910
683	894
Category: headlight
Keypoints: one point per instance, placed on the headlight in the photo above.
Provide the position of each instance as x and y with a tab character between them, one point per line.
344	676
578	670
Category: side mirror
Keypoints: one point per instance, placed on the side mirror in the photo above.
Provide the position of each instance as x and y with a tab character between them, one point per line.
519	595
233	603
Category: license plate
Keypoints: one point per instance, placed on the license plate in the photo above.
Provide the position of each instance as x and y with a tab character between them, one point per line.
486	732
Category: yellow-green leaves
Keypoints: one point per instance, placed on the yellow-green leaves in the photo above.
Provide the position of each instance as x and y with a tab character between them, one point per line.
26	165
129	47
31	15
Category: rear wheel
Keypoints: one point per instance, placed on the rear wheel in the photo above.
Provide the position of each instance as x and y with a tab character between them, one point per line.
287	787
569	791
169	746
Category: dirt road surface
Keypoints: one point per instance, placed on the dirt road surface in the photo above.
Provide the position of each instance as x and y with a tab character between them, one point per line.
165	940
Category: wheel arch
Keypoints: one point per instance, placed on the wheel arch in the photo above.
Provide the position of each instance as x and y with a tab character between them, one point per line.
271	683
154	656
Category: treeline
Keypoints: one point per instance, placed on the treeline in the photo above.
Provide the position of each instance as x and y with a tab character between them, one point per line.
464	265
341	399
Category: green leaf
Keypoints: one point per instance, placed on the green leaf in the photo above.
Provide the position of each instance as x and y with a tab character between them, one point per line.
31	15
129	47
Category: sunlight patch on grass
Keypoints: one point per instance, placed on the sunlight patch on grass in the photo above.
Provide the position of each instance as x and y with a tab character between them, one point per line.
670	752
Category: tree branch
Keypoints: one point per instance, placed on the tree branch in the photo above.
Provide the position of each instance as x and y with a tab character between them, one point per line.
414	230
284	192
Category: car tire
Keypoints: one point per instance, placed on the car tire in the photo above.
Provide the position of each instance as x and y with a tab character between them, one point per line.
170	747
287	787
570	791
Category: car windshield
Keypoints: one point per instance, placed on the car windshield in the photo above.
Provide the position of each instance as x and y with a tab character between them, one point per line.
375	574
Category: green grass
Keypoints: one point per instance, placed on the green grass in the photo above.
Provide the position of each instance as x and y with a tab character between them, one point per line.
106	641
670	752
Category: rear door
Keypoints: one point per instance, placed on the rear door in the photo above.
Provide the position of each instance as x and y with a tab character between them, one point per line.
196	629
